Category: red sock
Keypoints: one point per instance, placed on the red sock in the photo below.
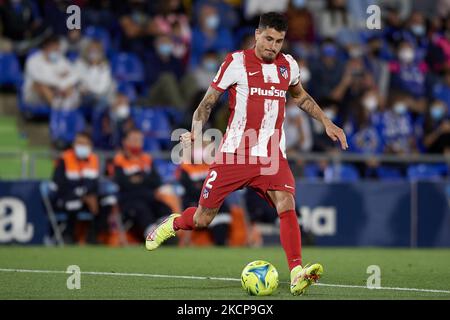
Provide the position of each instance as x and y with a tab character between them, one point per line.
186	220
290	238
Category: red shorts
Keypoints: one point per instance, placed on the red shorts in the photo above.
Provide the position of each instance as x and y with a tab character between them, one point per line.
223	179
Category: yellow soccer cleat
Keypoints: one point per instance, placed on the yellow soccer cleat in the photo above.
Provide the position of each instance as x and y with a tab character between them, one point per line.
161	233
302	278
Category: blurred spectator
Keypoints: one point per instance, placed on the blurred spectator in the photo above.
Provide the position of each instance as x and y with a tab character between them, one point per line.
171	20
300	22
299	136
254	8
416	33
209	34
138	182
441	90
362	132
393	24
437	128
76	186
438	55
204	73
164	71
21	22
355	81
397	127
229	18
409	74
328	71
376	65
96	83
114	122
136	25
50	78
334	18
73	44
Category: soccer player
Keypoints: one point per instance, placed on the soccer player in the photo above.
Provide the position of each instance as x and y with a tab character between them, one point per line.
252	152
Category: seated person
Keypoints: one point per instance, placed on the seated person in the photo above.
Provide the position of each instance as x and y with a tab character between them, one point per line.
75	181
138	183
50	78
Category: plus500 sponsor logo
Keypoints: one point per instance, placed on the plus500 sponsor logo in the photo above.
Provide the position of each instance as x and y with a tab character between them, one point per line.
268	93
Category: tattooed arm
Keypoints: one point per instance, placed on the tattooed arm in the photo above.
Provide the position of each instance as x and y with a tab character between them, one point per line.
307	104
201	115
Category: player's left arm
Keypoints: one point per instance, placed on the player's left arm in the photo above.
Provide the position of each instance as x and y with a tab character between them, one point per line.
307	104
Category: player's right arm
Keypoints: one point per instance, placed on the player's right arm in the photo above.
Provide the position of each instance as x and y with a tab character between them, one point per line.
226	76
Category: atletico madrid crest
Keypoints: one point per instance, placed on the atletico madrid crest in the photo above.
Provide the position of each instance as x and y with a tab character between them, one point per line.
284	72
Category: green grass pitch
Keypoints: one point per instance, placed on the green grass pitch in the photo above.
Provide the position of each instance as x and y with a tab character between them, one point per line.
129	273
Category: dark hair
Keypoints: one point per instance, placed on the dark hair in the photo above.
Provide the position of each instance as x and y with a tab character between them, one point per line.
51	39
273	20
84	134
132	130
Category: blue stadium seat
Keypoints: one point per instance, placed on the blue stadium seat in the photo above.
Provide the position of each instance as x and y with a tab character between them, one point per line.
154	123
166	169
127	67
342	173
388	173
29	111
427	171
311	172
65	124
47	194
10	74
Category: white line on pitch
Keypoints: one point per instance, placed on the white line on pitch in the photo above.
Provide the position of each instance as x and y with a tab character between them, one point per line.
148	275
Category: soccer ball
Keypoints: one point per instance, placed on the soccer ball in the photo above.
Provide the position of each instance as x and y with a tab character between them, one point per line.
259	278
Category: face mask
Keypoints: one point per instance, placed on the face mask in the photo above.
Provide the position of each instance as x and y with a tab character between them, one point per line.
82	151
400	108
134	150
122	111
330	114
299	4
370	103
210	65
305	74
406	55
165	49
437	112
212	22
355	53
94	55
418	30
54	56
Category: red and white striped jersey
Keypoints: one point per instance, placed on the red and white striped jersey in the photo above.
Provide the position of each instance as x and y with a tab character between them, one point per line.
257	98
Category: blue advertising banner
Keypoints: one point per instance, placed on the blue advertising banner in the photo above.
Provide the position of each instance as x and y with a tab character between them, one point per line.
362	213
335	214
433	209
23	218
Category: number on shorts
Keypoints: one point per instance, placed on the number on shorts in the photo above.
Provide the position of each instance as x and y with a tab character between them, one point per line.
213	176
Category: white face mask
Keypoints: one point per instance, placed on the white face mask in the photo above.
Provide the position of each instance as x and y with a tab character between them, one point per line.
406	55
370	103
305	74
123	111
82	151
54	56
330	114
400	108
